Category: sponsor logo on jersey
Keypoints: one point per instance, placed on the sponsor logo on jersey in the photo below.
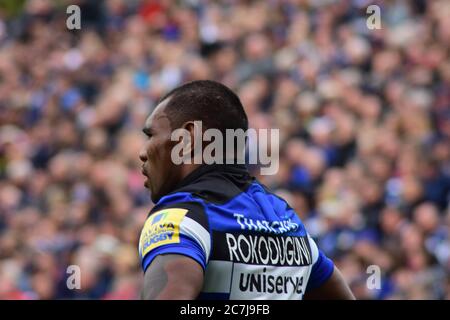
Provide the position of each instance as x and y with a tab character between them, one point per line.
273	227
268	282
162	227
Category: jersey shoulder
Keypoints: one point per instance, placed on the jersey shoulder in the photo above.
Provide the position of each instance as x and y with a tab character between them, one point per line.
179	227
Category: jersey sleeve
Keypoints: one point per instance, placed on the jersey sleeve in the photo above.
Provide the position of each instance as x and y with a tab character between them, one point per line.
180	228
322	268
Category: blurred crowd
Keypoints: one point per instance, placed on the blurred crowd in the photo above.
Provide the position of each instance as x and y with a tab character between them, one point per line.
364	119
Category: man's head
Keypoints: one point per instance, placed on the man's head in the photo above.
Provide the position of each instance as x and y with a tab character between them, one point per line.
207	101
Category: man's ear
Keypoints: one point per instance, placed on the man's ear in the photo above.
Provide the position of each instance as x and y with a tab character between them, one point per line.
194	144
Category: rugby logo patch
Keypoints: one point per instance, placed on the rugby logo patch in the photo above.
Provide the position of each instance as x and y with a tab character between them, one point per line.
161	228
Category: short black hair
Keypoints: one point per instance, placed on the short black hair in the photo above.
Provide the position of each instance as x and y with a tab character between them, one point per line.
209	101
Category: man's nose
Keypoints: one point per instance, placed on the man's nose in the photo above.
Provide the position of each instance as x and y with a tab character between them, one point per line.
143	155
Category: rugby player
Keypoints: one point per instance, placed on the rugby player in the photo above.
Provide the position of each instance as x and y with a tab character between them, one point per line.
215	232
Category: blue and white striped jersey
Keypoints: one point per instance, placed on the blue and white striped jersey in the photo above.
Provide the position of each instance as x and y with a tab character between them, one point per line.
250	242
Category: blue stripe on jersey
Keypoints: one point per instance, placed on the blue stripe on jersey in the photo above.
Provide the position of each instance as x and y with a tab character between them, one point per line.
321	271
187	247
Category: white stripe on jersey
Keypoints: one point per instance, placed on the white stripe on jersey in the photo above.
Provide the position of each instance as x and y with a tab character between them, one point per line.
314	250
195	230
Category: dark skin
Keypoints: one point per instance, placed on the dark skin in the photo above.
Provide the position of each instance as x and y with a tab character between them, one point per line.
335	288
156	154
165	278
